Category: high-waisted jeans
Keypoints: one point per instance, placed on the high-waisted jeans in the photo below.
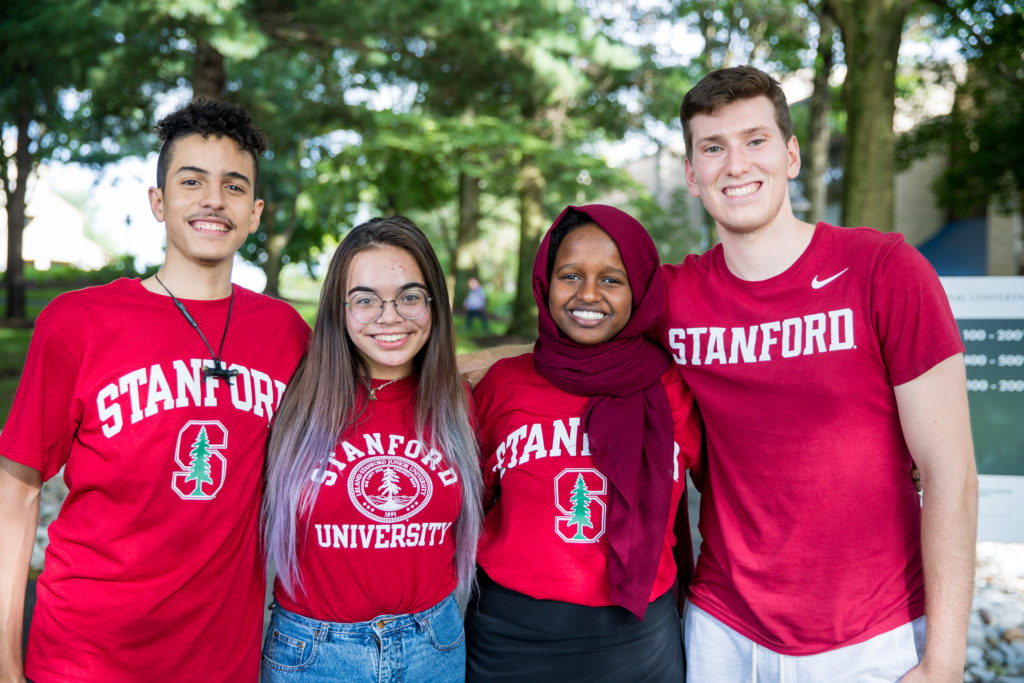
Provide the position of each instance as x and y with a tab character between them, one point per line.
429	646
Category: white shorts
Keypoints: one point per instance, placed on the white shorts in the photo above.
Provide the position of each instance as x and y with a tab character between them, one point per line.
717	654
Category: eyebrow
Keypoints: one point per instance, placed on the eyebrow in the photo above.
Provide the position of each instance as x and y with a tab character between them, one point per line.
575	265
717	137
371	290
229	174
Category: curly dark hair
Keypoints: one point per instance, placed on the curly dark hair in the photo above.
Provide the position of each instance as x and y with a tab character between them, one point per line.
209	117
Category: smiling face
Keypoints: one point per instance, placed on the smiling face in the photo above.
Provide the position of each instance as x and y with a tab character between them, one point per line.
208	201
589	296
389	344
740	165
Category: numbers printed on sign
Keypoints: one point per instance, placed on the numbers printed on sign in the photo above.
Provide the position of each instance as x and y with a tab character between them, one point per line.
985	356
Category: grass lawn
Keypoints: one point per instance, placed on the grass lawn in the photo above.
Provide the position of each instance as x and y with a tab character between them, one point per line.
14	347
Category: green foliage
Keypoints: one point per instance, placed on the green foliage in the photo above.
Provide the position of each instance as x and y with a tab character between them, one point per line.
669	225
46	46
766	33
979	137
376	108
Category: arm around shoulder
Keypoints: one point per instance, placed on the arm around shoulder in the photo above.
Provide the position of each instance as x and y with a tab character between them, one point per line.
936	425
19	515
473	366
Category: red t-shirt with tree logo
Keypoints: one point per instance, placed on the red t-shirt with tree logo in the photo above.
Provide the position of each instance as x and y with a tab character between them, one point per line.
544	534
153	570
380	538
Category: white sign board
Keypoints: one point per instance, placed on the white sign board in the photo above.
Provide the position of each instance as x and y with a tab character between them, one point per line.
990	314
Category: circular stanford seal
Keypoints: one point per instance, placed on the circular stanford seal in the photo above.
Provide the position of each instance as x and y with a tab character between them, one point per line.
389	489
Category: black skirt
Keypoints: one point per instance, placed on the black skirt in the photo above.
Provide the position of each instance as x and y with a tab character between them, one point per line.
513	637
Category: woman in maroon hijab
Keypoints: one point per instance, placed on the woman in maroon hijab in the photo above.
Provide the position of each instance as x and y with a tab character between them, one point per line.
584	444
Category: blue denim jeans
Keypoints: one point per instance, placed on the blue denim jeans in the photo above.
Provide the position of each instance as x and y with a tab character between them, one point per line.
427	646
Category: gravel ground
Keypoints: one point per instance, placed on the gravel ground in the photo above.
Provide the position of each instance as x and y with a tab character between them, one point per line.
995	639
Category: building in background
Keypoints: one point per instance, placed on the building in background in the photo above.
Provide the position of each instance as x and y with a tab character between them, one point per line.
54	233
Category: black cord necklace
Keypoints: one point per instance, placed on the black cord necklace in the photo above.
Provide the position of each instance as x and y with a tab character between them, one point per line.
217	370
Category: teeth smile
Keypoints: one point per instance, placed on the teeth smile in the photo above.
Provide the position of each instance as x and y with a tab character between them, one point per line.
203	225
589	315
390	337
741	191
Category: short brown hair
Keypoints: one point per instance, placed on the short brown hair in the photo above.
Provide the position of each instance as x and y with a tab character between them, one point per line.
726	86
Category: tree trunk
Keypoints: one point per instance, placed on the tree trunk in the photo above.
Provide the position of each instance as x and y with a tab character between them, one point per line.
531	227
208	75
467	239
871	32
15	277
275	246
819	135
1019	256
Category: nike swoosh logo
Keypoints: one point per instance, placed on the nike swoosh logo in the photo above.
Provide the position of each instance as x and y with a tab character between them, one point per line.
818	284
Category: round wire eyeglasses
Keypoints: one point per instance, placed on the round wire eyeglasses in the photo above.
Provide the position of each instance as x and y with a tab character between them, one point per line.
367	307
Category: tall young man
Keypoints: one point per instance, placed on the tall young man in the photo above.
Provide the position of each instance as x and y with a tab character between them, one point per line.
826	363
155	396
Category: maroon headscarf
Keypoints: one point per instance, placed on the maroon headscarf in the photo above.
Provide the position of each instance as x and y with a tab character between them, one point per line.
627	419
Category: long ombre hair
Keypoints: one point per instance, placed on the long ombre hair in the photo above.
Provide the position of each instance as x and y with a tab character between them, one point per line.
321	404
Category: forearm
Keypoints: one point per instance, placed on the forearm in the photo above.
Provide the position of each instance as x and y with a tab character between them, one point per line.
19	515
936	426
948	538
473	366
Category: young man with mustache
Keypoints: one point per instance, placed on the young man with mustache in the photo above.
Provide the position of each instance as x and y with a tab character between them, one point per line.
155	397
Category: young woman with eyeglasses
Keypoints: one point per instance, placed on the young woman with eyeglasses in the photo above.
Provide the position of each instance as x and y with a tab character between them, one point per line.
371	509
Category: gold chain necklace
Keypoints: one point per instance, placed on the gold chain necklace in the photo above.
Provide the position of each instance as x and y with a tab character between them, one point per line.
373	391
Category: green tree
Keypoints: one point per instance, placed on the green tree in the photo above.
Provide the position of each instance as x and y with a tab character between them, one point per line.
316	75
580	515
199	467
47	48
979	136
871	31
764	32
815	151
216	51
394	159
300	104
541	80
768	34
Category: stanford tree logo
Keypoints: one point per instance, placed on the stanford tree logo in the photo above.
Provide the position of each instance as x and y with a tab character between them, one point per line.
579	496
389	489
201	465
